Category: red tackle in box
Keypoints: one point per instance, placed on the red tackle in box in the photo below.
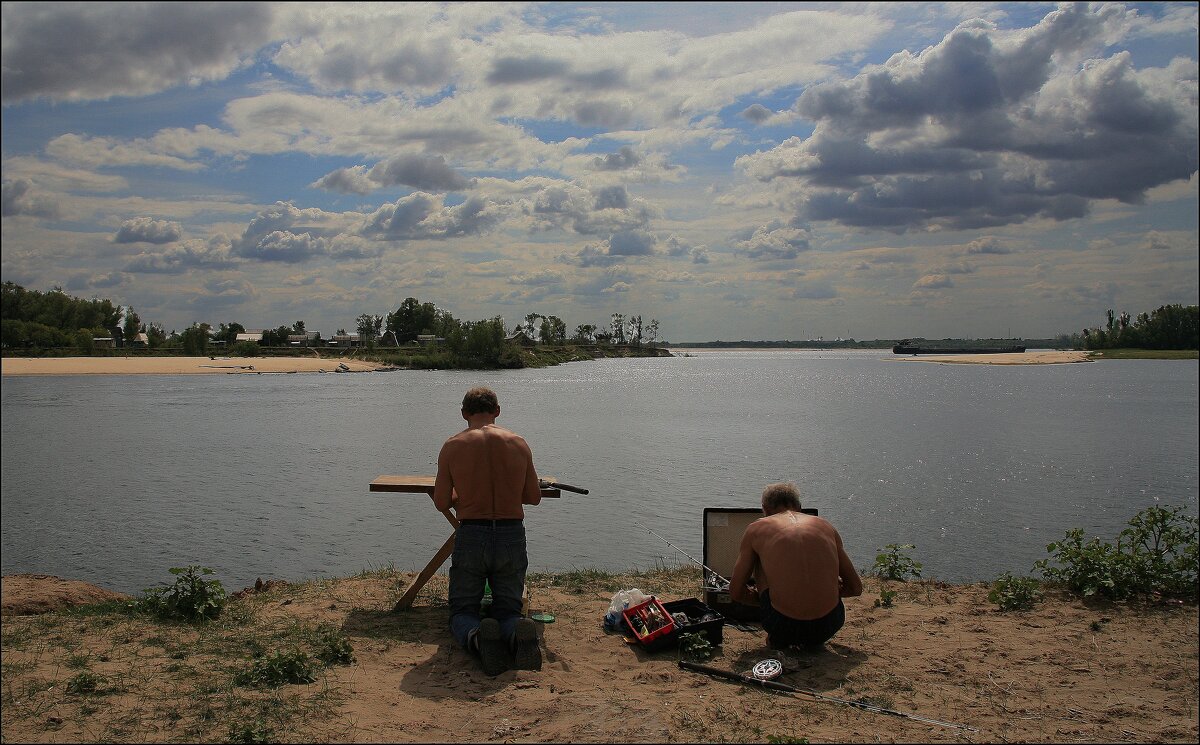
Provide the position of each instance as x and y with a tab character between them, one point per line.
650	624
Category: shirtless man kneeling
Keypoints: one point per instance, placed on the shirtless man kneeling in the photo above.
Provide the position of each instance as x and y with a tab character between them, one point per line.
486	474
799	570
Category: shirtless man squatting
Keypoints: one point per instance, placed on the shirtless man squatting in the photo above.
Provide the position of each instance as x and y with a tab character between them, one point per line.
799	569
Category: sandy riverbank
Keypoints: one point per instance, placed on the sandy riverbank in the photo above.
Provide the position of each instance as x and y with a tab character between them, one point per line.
1066	671
1024	358
174	365
12	366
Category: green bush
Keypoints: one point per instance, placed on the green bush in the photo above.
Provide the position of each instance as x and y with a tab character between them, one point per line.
695	647
1014	593
1086	568
86	682
1163	550
332	646
893	564
1156	554
245	349
191	598
280	668
251	732
886	598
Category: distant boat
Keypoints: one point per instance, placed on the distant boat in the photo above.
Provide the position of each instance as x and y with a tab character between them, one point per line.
907	347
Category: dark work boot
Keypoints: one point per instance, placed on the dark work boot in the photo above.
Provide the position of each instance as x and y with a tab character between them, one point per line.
492	652
527	654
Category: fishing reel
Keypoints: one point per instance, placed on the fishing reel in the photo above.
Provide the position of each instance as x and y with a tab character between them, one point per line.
714	582
767	670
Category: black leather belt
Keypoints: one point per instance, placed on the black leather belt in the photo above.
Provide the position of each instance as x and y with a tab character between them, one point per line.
492	523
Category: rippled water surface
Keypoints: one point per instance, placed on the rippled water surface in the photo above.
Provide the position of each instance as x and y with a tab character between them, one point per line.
114	479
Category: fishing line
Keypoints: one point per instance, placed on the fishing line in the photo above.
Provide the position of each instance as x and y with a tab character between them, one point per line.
711	571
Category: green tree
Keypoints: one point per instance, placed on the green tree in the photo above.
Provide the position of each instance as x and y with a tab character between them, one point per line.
414	317
156	334
277	337
195	339
1168	327
228	332
83	340
635	330
552	330
369	327
58	310
585	333
652	329
132	326
531	327
618	328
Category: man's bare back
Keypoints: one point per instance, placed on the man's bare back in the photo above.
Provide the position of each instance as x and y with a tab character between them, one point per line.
800	559
486	472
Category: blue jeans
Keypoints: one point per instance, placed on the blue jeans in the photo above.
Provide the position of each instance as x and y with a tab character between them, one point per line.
497	555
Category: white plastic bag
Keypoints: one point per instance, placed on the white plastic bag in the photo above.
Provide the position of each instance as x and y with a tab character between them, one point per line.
627	599
622	600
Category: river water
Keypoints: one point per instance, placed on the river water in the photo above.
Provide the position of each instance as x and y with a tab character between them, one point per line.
115	479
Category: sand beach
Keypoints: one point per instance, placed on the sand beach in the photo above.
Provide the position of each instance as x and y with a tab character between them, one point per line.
146	365
1068	670
175	365
1044	357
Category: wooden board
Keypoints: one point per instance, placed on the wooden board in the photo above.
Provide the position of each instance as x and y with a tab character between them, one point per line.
424	485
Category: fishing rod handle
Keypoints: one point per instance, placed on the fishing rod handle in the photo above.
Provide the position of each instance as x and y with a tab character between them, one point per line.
737	676
559	485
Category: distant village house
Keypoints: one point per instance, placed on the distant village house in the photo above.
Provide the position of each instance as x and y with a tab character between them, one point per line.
307	339
388	339
346	340
520	337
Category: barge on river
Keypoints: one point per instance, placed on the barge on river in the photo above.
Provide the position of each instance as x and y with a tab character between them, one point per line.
908	347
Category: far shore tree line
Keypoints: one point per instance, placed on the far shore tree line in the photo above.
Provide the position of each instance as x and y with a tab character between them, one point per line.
54	320
1168	327
35	321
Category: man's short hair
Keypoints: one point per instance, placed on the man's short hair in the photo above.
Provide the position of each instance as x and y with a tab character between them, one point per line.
781	496
480	400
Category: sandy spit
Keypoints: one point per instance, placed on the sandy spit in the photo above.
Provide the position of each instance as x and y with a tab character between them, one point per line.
1023	358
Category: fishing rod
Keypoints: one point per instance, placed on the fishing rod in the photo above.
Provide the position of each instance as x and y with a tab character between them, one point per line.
710	570
785	688
548	484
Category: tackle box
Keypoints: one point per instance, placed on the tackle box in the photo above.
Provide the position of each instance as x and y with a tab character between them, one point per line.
660	637
696	611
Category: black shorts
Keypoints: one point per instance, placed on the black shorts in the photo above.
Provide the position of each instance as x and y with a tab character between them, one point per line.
784	631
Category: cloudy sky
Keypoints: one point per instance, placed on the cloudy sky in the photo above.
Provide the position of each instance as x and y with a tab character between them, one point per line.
748	171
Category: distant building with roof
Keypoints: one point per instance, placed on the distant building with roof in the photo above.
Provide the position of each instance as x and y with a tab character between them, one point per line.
346	340
520	337
307	339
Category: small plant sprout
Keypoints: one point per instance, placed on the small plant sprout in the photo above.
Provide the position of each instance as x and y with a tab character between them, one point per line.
695	647
191	598
1014	593
893	564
